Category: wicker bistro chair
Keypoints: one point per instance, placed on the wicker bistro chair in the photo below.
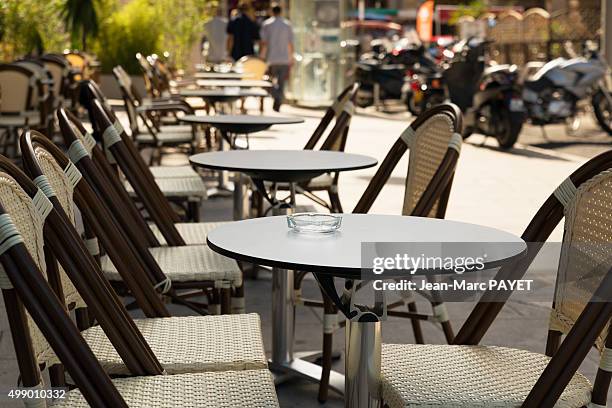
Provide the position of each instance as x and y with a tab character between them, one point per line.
19	104
342	111
256	69
46	96
182	185
59	68
36	315
434	141
191	233
93	91
154	135
466	374
229	342
180	267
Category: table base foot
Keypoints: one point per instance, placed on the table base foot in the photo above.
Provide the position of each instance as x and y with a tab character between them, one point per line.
306	370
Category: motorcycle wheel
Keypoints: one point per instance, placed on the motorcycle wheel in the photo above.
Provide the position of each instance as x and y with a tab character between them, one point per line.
467	132
413	107
603	111
507	134
431	100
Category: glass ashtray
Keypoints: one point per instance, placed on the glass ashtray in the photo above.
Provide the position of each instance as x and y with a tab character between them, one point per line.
314	222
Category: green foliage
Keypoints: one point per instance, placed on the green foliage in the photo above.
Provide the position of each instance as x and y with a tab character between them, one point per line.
115	33
131	29
474	9
28	26
81	19
182	22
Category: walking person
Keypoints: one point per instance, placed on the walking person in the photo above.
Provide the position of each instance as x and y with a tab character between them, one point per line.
242	33
216	37
277	51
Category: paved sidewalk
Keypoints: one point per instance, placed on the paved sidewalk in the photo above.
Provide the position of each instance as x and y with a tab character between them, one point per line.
493	188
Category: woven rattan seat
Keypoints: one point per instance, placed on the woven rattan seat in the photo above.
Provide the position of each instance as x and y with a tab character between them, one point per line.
173	171
176	128
467	376
190	344
31	118
252	388
165	138
187	263
194	233
190	187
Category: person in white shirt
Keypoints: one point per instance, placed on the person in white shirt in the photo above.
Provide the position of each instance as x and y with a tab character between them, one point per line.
277	50
216	36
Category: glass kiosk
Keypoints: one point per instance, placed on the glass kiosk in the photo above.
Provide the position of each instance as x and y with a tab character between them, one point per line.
324	61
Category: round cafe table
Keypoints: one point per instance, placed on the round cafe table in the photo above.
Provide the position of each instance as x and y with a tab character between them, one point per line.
238	83
232	125
240	124
283	166
339	255
220	75
222	96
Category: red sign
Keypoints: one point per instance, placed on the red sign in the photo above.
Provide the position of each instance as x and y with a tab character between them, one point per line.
424	21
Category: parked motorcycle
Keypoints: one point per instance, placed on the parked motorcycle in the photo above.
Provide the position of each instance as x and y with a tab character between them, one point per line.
488	96
553	93
386	75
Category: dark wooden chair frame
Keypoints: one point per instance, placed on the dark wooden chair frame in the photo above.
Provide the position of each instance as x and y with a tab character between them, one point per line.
63	243
91	91
148	114
437	191
100	224
128	219
566	355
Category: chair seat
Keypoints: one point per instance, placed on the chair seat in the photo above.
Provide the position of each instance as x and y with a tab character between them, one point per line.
194	233
250	388
173	171
178	187
187	264
165	138
191	344
31	118
430	376
176	129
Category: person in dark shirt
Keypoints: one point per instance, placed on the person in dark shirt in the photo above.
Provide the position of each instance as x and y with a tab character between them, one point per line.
242	33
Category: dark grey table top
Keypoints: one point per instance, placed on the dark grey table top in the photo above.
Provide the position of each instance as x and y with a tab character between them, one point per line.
222	93
340	253
239	83
241	119
220	75
282	165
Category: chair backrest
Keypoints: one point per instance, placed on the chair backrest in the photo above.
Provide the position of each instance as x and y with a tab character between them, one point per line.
79	62
138	174
348	94
107	218
162	74
35	216
19	89
586	254
25	289
254	67
59	68
148	75
129	98
434	140
581	307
